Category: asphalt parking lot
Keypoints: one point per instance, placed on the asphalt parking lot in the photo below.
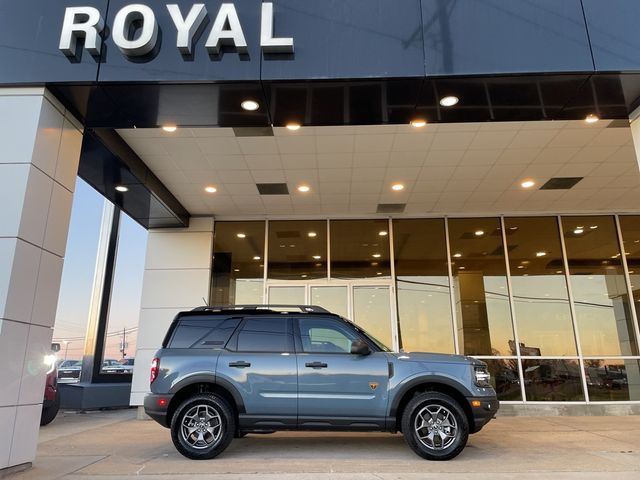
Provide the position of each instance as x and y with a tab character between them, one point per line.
113	445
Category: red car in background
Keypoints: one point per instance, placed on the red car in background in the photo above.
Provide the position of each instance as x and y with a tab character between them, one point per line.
51	403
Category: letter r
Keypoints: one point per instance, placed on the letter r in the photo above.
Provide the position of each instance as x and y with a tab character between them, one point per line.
81	22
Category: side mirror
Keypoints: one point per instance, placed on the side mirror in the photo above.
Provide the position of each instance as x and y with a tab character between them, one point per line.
360	347
55	347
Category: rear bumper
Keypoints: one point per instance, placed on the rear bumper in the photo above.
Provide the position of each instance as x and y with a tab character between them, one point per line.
156	406
483	409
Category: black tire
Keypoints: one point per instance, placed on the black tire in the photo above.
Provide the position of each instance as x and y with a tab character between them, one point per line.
50	411
446	449
227	425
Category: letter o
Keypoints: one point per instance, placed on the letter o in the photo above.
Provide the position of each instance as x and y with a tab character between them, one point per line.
148	37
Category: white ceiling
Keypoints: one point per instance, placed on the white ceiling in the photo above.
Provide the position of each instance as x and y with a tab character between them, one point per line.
468	168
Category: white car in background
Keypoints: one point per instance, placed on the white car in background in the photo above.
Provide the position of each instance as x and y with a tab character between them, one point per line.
123	366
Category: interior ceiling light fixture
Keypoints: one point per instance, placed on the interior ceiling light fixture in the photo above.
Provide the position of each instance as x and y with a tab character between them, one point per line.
591	118
250	105
169	128
303	188
376	255
210	189
317	257
293	126
541	254
457	255
312	234
121	188
383	233
578	231
397	187
418	123
449	101
256	257
241	235
478	233
527	184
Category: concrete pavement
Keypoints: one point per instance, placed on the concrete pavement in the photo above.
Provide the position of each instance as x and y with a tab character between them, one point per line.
114	446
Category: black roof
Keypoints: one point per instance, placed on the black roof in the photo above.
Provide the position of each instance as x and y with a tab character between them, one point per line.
257	309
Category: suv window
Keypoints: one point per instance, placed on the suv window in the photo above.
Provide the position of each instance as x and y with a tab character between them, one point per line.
205	332
265	335
325	336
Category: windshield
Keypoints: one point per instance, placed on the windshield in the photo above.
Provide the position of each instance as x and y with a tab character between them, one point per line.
369	337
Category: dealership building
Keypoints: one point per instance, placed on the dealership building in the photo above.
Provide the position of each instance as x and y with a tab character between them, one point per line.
454	176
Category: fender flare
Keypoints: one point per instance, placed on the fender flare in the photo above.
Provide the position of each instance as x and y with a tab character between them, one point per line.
412	382
214	380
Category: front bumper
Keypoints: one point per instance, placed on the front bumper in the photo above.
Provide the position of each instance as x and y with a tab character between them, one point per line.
156	406
483	409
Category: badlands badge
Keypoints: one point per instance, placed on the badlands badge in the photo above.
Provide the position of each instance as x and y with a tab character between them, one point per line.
373	385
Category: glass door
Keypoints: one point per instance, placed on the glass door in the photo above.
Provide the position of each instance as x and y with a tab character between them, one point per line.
369	304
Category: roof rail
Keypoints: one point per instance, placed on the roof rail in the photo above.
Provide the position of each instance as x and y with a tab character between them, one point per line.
266	307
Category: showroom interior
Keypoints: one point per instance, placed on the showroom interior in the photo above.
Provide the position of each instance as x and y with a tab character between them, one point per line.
454	178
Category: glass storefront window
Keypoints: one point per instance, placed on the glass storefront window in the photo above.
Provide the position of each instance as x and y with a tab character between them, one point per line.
297	250
539	284
552	380
630	229
124	304
599	288
505	378
480	286
360	249
612	380
333	298
238	266
422	283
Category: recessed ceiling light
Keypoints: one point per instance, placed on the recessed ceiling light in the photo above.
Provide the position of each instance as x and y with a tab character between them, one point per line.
241	235
418	122
122	188
383	233
457	255
256	257
527	184
374	264
317	257
578	231
293	126
462	268
591	118
541	254
478	233
210	189
236	269
520	266
304	275
169	128
397	187
593	227
449	101
376	255
303	188
312	234
378	273
250	105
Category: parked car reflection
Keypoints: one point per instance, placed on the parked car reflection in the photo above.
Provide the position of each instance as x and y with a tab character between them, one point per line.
123	366
69	371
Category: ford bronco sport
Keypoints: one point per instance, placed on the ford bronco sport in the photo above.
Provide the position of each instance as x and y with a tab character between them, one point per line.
227	371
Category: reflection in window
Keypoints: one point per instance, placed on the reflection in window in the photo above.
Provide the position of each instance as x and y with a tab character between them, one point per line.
480	283
297	250
542	311
422	279
372	311
360	249
630	227
333	299
126	293
505	378
612	380
552	380
238	266
599	288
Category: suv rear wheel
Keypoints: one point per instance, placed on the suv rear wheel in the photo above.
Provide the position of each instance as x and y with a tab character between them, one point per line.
435	426
203	426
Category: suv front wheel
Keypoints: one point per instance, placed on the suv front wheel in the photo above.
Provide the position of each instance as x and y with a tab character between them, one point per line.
435	426
203	426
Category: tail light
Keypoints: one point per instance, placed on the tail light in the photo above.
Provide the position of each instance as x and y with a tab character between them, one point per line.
155	367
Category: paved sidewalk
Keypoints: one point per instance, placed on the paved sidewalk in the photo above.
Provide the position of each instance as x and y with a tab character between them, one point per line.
114	445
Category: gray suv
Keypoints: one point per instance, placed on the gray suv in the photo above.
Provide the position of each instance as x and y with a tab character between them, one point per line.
223	372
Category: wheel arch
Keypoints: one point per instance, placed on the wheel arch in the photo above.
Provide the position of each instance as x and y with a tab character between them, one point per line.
446	386
204	384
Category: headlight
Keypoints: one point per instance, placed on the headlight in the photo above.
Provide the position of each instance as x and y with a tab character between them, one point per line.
482	376
50	362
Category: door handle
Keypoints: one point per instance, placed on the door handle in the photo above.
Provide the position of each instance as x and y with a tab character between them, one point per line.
315	365
240	364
